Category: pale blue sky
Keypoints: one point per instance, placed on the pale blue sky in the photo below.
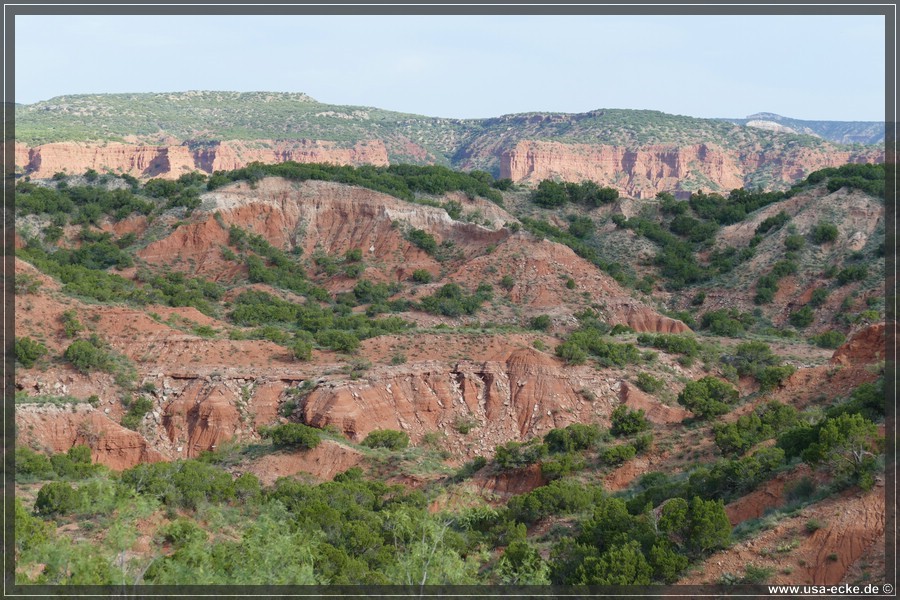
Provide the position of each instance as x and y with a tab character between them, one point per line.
809	67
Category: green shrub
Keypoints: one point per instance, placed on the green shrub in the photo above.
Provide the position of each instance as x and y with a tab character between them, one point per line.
386	438
628	422
774	222
802	318
616	455
421	276
71	324
87	357
727	322
575	437
136	412
561	465
794	242
824	232
28	351
513	455
818	297
852	273
708	397
507	282
671	343
550	194
470	468
648	383
423	240
57	498
540	323
182	532
301	349
338	340
32	464
292	435
773	377
353	255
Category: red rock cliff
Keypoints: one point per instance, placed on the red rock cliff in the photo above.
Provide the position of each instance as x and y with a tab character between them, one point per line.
172	161
643	172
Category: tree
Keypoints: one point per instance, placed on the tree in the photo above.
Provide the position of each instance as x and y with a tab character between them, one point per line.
708	397
666	562
302	350
708	525
620	565
847	443
550	194
522	564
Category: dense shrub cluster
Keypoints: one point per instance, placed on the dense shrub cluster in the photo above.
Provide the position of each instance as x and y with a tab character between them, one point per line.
589	341
616	547
513	455
387	438
402	181
574	438
292	435
671	343
756	359
708	397
452	301
579	246
553	194
765	422
729	322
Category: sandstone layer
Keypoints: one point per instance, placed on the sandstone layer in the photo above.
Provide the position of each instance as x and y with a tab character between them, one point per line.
171	161
645	171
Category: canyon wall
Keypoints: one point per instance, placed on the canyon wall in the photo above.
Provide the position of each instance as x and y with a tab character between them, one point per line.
643	172
171	161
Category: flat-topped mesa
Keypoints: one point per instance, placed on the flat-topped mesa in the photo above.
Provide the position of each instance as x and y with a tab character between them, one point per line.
172	161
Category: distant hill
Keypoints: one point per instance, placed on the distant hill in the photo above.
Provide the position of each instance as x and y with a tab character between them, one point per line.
639	151
839	132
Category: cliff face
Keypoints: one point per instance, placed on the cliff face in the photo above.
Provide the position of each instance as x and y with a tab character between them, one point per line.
644	172
638	173
172	161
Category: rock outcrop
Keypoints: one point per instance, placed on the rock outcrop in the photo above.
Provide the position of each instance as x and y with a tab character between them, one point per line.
171	161
645	171
864	347
526	394
56	429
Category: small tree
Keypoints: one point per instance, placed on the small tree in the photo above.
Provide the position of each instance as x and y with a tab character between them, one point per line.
708	397
848	443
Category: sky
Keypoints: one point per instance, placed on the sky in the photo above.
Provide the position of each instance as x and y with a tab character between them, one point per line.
805	67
